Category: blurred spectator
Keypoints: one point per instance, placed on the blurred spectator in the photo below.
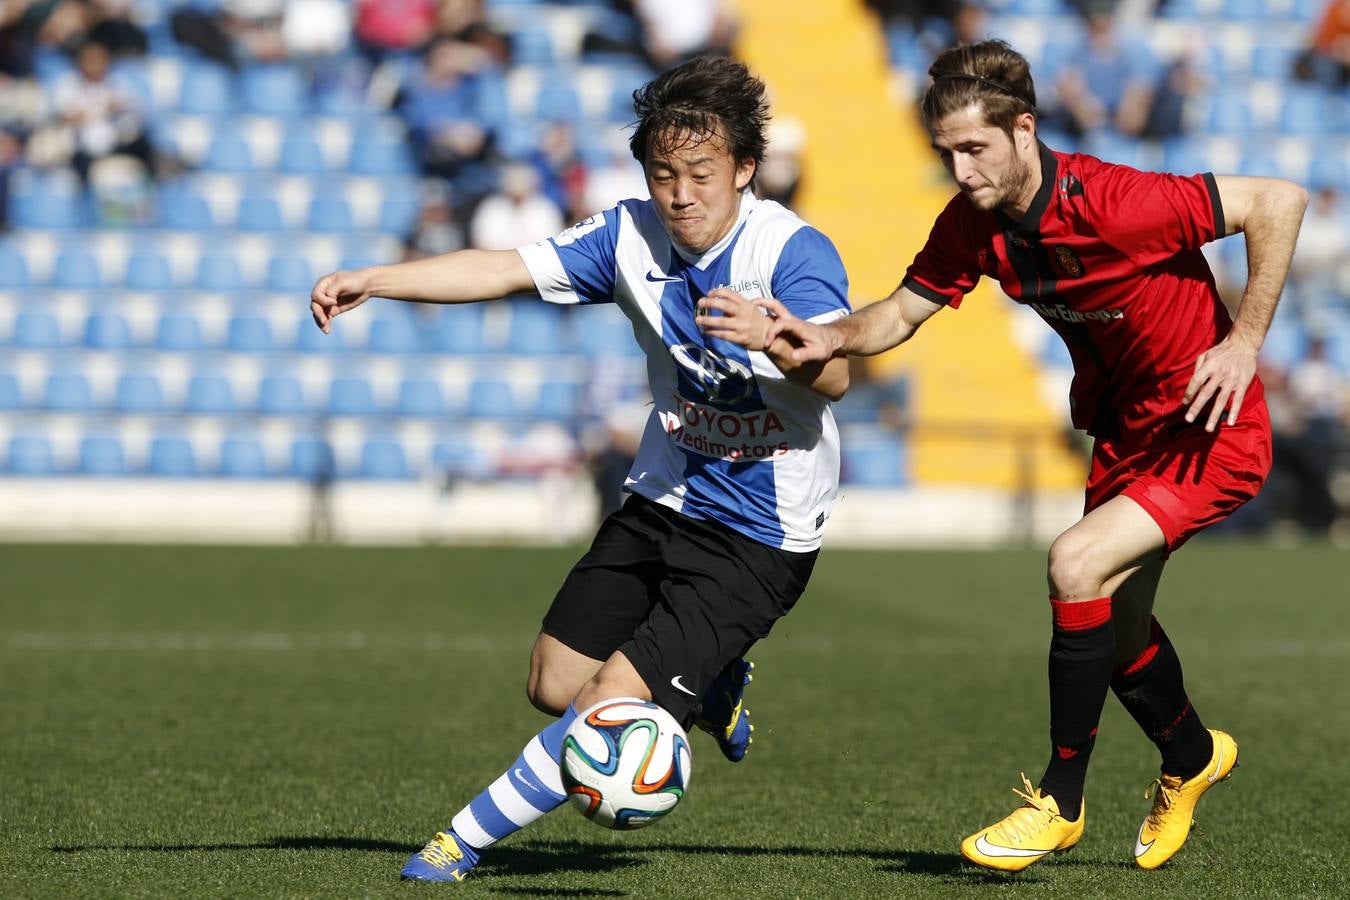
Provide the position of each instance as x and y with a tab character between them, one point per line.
619	179
11	155
615	407
1182	79
110	23
437	229
781	173
444	108
674	32
1309	428
1319	276
516	215
1107	83
1327	58
915	13
238	32
96	115
315	29
392	27
561	174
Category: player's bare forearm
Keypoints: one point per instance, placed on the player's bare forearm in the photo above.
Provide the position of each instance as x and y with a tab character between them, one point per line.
829	378
880	326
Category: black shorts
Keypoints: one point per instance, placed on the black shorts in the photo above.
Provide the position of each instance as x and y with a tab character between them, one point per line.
680	597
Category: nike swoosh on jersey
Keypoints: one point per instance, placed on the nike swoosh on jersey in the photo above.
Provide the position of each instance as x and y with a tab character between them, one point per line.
658	279
1140	848
982	844
675	683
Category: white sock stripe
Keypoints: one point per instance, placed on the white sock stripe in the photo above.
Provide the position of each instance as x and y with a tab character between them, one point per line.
509	802
467	827
544	767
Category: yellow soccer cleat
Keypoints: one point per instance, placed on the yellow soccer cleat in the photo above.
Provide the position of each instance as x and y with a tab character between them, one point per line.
1169	822
1033	830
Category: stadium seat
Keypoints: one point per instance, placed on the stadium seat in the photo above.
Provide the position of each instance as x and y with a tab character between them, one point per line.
107	331
249	334
30	454
68	392
185	210
398	214
13	268
101	455
309	339
76	269
558	400
1230	112
274	90
139	393
281	395
383	459
330	215
209	394
258	212
349	395
600	333
11	396
36	329
558	101
394	334
491	398
536	329
1307	110
242	457
206	90
312	459
459	457
300	154
148	271
289	274
49	203
219	272
228	152
419	397
875	460
374	155
171	457
179	331
532	45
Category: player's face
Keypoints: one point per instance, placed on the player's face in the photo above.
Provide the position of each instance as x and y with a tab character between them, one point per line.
696	187
992	169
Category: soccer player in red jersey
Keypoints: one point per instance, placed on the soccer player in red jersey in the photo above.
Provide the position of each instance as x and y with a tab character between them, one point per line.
1164	380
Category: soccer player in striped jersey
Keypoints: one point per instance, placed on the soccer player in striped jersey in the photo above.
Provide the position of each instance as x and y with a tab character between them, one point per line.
739	464
1164	380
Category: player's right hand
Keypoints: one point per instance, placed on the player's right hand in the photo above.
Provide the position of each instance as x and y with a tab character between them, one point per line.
809	341
337	293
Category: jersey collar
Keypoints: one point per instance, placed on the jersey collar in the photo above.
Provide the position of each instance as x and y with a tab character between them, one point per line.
703	260
1030	223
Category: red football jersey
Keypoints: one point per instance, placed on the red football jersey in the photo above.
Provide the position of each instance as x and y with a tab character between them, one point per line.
1110	257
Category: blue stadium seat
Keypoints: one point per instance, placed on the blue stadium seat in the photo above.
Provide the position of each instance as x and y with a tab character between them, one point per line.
172	456
107	331
289	274
30	454
281	395
393	334
312	459
420	397
11	396
36	329
206	90
76	269
532	45
397	214
558	400
219	272
600	333
536	329
185	210
179	331
242	457
68	392
209	394
274	90
1230	112
1286	342
249	334
228	152
350	395
101	455
13	268
49	204
383	459
458	456
558	101
148	271
300	155
258	212
1245	10
1306	110
874	460
330	215
491	398
309	339
458	329
1272	59
375	155
139	393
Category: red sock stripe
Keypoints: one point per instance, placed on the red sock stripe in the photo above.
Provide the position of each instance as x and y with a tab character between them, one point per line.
1154	639
1081	615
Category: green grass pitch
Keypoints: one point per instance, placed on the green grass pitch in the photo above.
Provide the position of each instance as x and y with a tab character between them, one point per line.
242	722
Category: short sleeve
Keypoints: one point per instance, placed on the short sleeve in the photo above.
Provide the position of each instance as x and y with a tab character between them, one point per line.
1151	216
577	265
809	278
947	268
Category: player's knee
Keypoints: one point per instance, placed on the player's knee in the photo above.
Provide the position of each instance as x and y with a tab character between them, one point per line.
1074	569
547	694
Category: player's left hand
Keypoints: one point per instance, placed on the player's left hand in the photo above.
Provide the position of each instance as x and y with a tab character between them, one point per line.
1222	374
740	321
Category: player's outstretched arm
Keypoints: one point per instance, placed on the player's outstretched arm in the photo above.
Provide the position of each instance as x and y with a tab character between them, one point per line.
1269	212
459	277
871	330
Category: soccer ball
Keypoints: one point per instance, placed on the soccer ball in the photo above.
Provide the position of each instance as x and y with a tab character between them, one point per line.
625	763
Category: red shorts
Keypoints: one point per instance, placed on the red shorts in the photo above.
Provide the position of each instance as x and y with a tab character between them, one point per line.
1187	482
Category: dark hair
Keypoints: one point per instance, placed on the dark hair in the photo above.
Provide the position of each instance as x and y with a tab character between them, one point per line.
990	75
708	96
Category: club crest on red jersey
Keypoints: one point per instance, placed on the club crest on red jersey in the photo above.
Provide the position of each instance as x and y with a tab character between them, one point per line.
1069	261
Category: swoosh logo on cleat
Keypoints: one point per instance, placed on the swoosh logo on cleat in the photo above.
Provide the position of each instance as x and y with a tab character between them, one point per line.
675	683
1218	767
1140	848
982	844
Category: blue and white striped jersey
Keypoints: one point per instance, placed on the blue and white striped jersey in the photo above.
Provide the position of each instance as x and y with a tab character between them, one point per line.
729	438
